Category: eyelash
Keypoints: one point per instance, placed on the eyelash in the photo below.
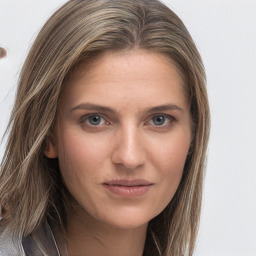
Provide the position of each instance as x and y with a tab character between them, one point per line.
167	118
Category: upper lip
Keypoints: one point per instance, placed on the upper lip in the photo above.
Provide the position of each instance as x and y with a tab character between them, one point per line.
128	183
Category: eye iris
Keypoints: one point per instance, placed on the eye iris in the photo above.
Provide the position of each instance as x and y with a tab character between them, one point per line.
158	120
94	120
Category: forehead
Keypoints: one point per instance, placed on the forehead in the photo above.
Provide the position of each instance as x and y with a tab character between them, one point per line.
127	75
126	57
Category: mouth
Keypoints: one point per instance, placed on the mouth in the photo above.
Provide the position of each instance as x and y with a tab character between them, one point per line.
128	188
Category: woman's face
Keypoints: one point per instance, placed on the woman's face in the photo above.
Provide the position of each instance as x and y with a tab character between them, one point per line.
122	137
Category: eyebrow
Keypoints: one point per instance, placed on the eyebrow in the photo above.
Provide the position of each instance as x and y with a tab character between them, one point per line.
96	107
90	106
164	108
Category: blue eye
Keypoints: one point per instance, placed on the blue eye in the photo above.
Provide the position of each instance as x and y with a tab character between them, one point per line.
159	120
94	120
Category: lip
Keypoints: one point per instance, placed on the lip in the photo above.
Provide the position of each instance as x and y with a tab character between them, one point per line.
128	188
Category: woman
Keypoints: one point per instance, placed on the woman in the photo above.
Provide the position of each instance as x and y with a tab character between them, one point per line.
108	135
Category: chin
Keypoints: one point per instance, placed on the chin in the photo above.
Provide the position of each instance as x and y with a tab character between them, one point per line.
128	219
125	225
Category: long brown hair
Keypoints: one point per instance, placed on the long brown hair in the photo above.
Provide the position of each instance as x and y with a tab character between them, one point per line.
78	32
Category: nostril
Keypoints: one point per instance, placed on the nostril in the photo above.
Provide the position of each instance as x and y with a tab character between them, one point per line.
3	52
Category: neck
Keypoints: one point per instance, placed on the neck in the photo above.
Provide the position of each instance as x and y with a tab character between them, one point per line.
87	236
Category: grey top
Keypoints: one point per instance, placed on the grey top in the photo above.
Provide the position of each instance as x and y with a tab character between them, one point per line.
40	243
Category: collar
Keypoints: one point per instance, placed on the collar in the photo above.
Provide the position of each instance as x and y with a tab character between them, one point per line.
41	242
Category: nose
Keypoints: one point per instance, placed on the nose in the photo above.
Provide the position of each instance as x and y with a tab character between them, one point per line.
129	151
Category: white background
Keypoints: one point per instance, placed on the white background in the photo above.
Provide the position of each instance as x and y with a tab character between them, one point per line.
225	33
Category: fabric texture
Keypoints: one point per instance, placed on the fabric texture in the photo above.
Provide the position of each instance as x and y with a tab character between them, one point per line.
40	243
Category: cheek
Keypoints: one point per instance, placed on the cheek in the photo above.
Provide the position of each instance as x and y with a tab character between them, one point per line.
170	160
80	155
80	148
171	152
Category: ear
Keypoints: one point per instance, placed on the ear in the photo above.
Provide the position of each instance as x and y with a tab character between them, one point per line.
50	150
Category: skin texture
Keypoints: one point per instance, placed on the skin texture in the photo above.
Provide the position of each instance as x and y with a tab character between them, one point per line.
131	140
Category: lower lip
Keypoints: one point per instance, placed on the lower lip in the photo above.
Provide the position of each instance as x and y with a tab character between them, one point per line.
124	191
